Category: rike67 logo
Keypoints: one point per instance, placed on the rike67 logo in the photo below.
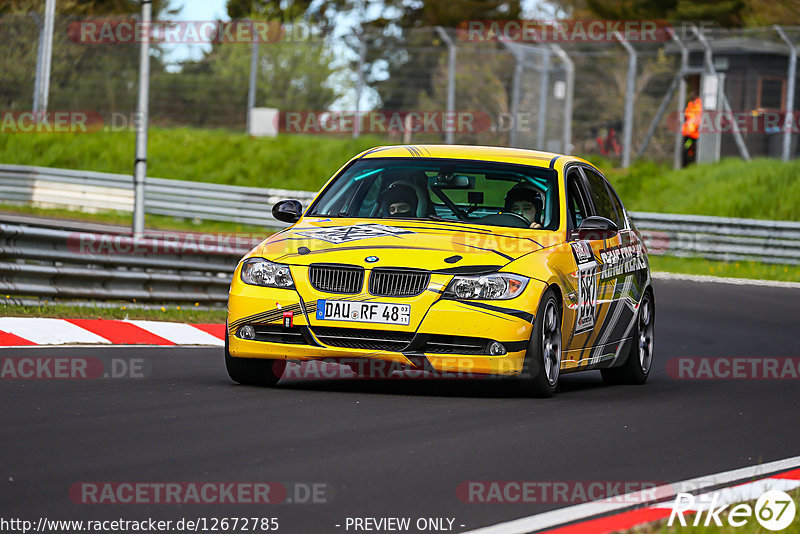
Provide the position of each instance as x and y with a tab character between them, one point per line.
774	510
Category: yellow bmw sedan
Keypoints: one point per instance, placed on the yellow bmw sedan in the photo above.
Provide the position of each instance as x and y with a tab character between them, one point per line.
450	259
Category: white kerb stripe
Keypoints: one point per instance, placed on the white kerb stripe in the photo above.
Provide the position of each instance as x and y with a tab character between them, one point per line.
46	331
590	509
179	333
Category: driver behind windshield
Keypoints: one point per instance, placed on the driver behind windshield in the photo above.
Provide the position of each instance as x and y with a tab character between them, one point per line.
526	201
399	200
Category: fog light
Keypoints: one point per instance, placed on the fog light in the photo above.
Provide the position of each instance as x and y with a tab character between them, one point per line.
496	349
247	332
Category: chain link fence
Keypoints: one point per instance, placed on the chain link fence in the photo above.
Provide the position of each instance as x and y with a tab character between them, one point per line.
614	96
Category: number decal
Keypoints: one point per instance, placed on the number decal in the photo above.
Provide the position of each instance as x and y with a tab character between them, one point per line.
587	286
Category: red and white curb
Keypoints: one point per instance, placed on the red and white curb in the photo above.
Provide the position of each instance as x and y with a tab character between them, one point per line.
27	331
617	514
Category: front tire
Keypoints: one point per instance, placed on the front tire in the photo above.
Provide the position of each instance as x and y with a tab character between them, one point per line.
542	365
637	366
253	371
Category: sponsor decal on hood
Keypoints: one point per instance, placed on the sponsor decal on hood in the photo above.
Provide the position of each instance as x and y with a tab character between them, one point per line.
344	234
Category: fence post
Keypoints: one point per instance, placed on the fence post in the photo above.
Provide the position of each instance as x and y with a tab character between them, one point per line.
737	135
362	56
568	104
630	93
790	89
37	82
544	86
513	134
677	156
140	163
451	79
44	58
251	88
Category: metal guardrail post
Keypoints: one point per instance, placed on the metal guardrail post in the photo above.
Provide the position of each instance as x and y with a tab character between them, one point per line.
790	89
630	94
451	80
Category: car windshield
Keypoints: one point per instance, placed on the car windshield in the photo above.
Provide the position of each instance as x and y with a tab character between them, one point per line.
474	192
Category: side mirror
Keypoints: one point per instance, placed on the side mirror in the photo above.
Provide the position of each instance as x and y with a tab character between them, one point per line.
597	228
288	211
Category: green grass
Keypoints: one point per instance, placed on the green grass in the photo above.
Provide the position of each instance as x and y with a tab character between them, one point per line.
759	189
737	269
154	222
301	162
186	313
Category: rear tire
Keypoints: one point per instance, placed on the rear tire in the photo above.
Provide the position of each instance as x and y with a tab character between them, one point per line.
637	366
542	365
253	371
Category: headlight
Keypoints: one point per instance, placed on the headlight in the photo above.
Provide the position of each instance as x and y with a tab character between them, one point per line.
498	286
260	272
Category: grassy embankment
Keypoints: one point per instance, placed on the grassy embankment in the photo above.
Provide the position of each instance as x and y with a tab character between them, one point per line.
761	189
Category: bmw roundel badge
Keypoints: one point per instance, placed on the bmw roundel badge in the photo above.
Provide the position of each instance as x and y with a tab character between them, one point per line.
371	259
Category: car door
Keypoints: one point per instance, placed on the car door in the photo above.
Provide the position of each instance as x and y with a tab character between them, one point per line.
587	291
619	258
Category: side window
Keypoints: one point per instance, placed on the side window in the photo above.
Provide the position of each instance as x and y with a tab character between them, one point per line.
617	203
604	206
576	205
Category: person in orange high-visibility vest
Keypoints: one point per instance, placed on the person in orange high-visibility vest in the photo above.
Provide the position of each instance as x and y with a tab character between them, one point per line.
691	128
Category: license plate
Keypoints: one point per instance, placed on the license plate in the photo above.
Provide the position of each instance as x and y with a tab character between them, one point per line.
364	312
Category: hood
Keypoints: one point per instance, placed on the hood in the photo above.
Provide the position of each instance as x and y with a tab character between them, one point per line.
430	245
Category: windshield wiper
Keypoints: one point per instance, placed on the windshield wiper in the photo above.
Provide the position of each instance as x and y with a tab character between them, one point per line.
440	219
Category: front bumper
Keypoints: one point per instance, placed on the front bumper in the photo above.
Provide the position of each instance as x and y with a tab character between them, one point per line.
444	335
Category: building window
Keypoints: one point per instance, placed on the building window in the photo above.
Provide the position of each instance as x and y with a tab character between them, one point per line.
771	93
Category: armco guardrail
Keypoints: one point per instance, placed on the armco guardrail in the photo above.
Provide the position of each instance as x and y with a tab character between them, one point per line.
176	267
184	267
45	262
720	238
97	191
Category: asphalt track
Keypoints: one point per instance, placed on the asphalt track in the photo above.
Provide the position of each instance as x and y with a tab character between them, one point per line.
400	448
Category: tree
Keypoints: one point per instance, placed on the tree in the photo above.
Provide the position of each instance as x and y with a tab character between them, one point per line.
726	13
213	90
83	76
